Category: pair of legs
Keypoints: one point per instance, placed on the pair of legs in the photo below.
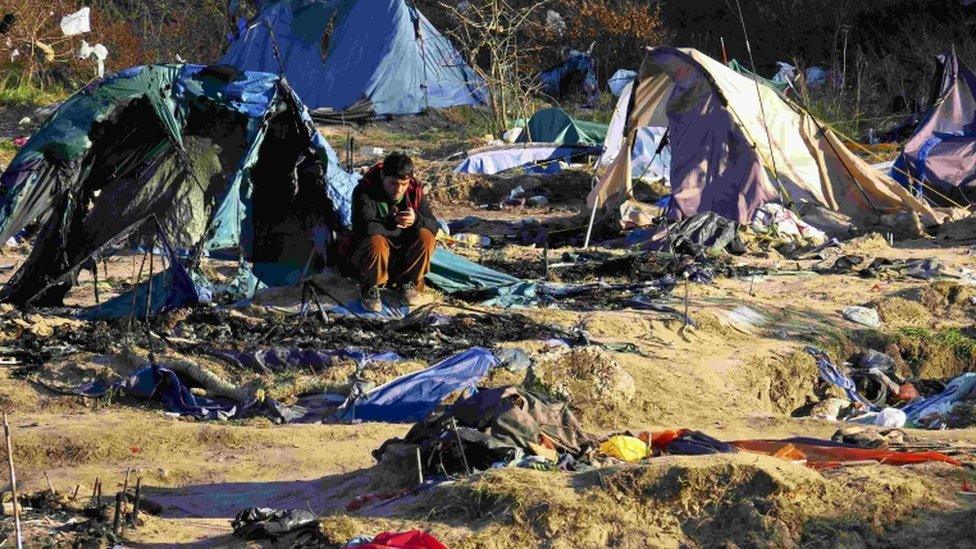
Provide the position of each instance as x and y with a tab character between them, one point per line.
402	261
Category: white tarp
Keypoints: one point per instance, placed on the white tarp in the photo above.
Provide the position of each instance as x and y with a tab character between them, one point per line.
76	23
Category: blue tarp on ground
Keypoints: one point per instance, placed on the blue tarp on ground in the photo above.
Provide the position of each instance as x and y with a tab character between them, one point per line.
414	396
498	159
162	384
382	53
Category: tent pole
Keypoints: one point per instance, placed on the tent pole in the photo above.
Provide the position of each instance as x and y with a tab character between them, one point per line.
762	109
589	228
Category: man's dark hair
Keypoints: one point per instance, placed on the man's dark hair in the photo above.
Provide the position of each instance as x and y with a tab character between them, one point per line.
398	165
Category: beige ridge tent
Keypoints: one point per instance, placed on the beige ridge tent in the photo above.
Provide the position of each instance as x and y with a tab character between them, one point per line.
736	146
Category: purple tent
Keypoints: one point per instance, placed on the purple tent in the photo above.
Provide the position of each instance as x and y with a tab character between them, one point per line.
941	155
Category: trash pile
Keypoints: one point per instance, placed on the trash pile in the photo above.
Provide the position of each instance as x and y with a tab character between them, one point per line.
876	393
511	426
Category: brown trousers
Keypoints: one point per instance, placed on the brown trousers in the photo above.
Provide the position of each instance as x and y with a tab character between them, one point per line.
380	260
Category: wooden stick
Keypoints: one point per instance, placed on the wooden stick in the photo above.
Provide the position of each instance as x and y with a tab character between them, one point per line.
135	505
74	496
125	484
94	491
49	485
13	481
118	513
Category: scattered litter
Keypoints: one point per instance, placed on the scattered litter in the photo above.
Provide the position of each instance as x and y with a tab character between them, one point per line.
77	22
256	523
862	315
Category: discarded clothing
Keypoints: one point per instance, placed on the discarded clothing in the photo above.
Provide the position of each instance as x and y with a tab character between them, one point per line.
256	523
414	396
625	448
830	373
493	425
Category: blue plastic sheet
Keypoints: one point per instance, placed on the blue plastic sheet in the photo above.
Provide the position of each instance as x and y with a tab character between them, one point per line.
414	396
496	160
162	384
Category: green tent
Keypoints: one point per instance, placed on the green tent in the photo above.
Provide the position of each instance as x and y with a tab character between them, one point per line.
778	85
555	126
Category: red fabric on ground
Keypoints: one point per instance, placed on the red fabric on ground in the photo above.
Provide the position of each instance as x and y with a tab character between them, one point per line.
411	539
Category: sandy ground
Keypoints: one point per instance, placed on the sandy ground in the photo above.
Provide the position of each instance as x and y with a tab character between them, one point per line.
727	379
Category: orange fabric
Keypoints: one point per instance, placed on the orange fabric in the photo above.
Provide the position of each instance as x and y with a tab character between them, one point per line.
826	457
405	260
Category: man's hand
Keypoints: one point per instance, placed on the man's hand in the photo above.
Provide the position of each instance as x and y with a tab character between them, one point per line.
406	218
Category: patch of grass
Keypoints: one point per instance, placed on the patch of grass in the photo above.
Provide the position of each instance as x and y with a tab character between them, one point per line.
18	94
7	152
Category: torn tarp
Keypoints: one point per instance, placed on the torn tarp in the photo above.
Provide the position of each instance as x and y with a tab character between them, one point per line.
452	273
414	396
492	160
164	385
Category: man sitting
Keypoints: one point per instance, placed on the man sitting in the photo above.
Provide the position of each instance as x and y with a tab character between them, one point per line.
394	232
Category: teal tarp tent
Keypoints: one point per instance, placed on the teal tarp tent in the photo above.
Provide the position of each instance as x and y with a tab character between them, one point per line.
555	126
188	160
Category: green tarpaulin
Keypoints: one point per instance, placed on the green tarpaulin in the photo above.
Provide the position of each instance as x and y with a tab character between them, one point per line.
555	126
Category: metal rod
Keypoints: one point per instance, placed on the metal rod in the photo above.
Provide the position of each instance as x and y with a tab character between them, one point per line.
420	468
152	253
13	480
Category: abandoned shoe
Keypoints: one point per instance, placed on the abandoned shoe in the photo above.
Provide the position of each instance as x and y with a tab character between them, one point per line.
412	296
370	299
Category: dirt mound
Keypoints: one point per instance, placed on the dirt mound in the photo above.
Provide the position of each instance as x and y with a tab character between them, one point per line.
588	378
722	500
783	383
898	311
964	229
871	244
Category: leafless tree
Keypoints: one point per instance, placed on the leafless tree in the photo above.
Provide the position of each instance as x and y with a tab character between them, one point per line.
493	29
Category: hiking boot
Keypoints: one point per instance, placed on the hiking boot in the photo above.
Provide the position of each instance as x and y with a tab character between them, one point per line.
411	295
370	299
